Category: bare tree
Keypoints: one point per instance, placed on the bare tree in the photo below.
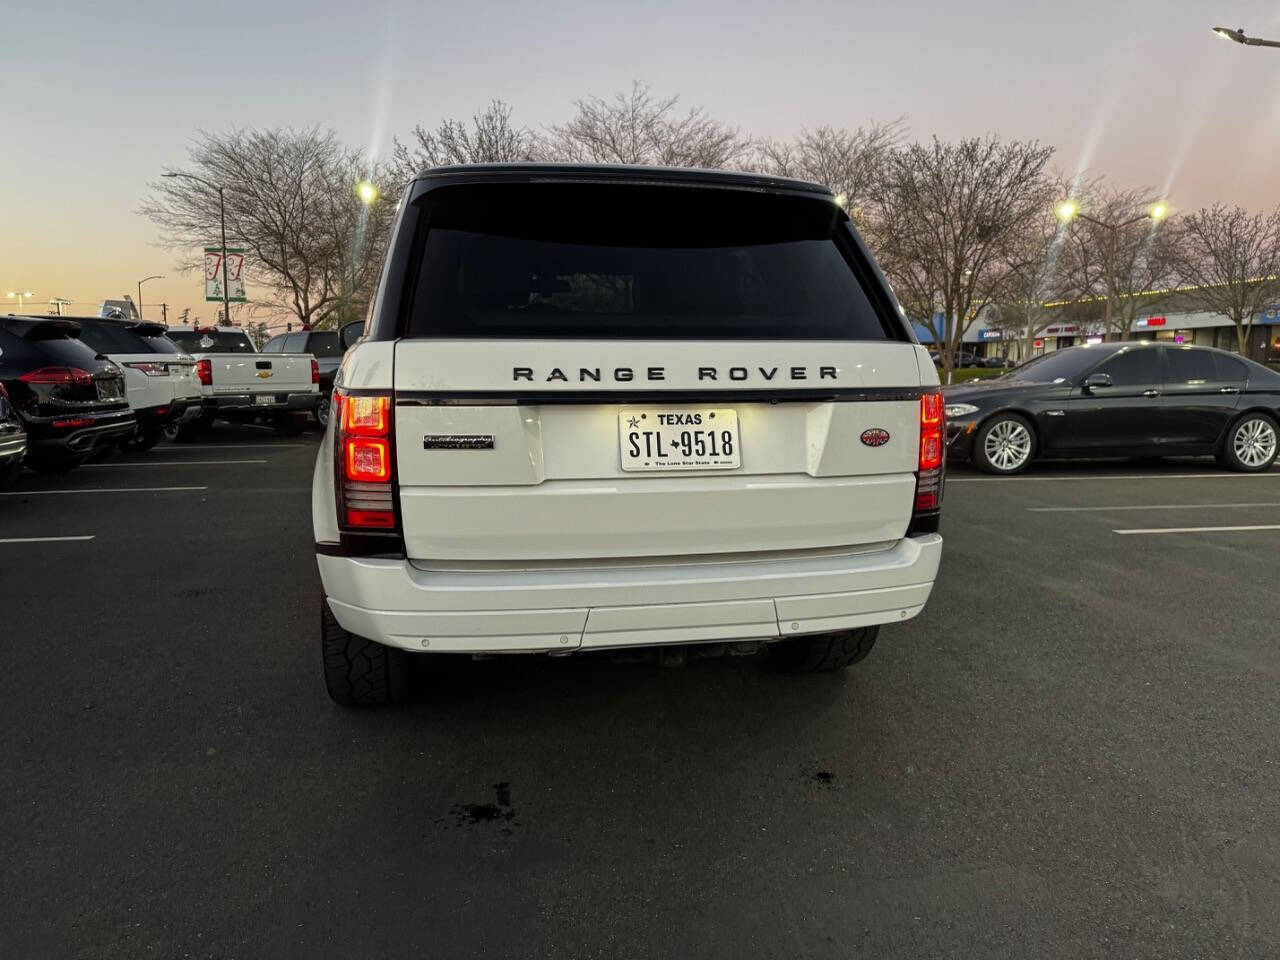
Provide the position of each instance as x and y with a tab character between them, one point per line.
849	162
1033	274
636	127
491	137
947	218
1231	264
1122	251
291	200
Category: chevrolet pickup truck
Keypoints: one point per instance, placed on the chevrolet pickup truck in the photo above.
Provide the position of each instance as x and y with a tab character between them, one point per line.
241	385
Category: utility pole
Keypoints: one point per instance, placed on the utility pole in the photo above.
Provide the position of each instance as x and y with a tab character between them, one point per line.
222	216
59	305
164	314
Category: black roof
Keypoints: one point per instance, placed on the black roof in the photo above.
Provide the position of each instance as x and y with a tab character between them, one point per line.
621	173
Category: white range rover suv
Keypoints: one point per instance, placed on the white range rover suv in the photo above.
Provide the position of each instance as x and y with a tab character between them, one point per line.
598	408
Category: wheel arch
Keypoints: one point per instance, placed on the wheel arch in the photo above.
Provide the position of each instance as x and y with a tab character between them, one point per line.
1022	412
1272	413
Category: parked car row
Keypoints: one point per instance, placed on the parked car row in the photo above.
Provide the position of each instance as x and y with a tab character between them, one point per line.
1119	400
75	388
965	360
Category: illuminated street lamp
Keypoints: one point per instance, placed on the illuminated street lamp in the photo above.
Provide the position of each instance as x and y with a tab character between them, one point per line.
1069	210
21	295
1238	36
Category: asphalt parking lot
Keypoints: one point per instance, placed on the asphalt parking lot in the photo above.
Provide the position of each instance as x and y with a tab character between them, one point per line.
1072	753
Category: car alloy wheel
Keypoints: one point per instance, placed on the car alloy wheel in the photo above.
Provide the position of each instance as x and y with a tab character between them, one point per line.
1007	445
322	412
1254	442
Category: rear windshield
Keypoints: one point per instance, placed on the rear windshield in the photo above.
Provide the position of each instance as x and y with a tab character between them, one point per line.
108	338
194	341
594	261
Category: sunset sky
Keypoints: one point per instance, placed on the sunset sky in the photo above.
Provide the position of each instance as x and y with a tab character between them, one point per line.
97	98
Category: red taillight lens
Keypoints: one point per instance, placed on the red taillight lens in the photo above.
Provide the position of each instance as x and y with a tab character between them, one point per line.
204	372
368	459
75	422
932	453
931	445
366	498
315	372
65	376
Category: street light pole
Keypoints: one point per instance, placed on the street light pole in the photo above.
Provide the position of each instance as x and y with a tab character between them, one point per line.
1068	211
222	216
21	295
1238	36
140	283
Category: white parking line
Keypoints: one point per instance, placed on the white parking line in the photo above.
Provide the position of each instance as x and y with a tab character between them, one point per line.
1266	474
1154	506
169	463
41	539
41	493
1129	533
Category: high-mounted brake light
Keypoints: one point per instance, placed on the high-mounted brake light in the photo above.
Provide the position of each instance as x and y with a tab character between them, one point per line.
315	371
63	376
362	439
930	467
204	371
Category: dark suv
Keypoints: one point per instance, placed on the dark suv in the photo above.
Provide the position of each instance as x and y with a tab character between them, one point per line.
71	399
326	347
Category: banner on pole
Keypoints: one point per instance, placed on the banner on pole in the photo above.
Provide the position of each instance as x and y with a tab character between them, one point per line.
213	274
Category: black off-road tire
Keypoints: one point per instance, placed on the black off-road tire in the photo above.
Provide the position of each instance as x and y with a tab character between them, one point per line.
291	424
321	411
823	651
360	672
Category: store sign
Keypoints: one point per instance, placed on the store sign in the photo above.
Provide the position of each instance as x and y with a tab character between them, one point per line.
1151	322
1039	344
988	335
1066	331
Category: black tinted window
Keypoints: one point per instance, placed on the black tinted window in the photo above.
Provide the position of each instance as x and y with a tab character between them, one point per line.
1229	369
274	345
324	345
109	338
195	341
1134	367
1189	366
1061	365
295	343
595	261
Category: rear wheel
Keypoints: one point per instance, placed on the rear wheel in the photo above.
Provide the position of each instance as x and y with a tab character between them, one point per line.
1005	445
291	425
183	432
322	411
360	672
142	439
1251	444
823	651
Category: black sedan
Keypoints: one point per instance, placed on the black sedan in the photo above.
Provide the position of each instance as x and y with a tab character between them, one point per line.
70	399
1119	400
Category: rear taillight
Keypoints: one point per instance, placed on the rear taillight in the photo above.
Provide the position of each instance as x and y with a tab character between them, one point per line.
62	376
204	371
364	468
315	372
74	422
929	473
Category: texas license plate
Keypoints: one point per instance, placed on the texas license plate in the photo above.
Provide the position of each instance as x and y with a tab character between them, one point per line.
264	399
679	438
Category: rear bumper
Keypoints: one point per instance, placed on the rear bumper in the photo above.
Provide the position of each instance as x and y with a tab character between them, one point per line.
244	403
47	440
179	410
599	607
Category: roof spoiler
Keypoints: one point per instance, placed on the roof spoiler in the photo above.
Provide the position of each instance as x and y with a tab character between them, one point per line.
40	328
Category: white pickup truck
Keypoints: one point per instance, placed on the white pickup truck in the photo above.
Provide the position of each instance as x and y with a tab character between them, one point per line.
241	385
